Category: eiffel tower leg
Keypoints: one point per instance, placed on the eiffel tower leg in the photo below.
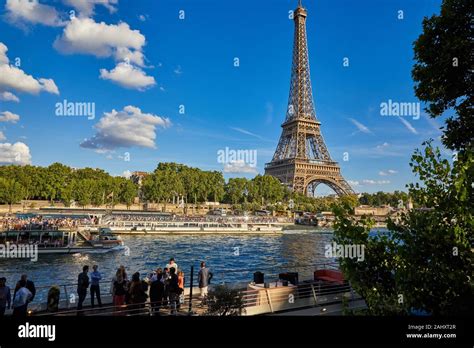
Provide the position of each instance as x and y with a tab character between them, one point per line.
299	185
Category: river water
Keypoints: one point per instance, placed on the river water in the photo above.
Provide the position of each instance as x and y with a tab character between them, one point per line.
232	258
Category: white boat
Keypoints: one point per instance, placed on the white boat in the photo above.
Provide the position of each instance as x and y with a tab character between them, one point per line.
189	227
62	241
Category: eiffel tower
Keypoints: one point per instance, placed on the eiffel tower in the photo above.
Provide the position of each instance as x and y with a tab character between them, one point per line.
302	160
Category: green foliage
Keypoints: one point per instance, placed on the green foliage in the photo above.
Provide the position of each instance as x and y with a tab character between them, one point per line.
426	257
224	301
383	198
58	182
11	192
443	70
128	192
172	179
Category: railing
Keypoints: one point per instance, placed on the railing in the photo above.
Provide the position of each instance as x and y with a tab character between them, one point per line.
257	300
282	298
135	309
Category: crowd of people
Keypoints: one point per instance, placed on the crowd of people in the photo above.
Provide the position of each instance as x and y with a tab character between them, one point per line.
189	218
23	294
40	223
162	289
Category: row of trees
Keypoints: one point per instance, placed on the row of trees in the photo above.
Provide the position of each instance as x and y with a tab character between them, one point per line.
89	186
61	183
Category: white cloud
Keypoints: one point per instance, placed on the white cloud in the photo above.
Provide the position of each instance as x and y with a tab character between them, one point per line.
246	132
48	85
2	136
388	172
375	182
3	54
128	76
12	77
382	146
353	182
408	125
18	153
239	166
126	55
32	11
86	7
178	70
8	96
360	126
125	128
142	18
127	174
7	116
84	35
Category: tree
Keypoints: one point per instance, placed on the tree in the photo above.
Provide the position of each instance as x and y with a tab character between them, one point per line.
443	70
57	175
224	301
128	192
235	190
11	192
426	257
83	191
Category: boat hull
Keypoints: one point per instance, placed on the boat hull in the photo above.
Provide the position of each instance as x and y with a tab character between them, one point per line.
79	250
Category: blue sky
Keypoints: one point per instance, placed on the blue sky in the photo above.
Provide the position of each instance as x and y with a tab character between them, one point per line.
141	55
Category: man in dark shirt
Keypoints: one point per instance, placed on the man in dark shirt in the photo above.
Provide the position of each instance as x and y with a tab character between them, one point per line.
82	285
29	285
173	289
204	278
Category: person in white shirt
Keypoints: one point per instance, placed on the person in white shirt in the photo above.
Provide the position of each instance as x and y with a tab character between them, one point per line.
21	300
172	264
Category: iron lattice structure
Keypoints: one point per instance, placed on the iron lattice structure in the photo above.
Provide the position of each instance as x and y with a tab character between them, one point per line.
302	160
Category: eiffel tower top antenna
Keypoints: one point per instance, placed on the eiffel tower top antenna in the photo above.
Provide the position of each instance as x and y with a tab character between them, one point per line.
299	3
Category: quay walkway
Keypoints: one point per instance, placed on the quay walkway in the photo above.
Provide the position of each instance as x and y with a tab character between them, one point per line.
306	298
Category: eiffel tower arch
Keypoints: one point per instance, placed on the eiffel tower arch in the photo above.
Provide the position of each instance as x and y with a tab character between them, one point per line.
302	160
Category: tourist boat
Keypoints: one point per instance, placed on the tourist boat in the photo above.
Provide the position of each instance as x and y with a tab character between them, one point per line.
63	241
190	227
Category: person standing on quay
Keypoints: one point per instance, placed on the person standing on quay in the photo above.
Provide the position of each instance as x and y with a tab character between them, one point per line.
173	290
156	291
95	287
29	285
82	286
165	279
180	289
5	296
172	264
137	291
21	299
119	289
204	277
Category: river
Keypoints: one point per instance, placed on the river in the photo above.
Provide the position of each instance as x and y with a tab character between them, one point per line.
232	258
